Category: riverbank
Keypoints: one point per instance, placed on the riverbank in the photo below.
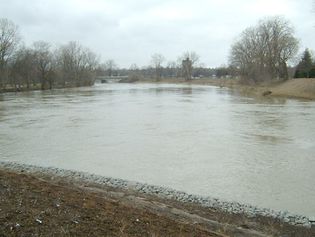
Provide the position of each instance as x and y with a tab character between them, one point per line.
10	89
303	88
51	201
37	87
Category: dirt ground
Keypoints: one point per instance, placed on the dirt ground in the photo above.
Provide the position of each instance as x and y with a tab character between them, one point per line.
33	205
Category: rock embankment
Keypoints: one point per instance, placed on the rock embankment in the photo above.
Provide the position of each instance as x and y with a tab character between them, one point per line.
163	192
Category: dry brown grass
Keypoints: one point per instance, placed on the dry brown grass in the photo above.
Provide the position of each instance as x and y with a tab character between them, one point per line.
298	88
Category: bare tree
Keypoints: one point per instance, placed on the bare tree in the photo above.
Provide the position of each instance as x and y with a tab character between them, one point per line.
43	59
109	66
68	60
193	56
134	67
187	68
134	73
172	69
71	63
77	65
23	69
87	68
188	60
134	70
262	52
157	61
9	39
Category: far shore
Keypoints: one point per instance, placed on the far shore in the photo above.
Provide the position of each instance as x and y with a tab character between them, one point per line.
37	87
302	88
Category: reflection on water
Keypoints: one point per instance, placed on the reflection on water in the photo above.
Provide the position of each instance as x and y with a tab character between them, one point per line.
200	139
272	139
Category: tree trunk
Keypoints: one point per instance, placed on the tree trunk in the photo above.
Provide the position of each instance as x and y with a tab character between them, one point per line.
285	73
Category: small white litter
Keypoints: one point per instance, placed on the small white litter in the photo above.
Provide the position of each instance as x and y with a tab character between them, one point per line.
39	221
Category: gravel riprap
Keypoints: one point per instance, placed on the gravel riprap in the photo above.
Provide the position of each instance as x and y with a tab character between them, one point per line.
162	192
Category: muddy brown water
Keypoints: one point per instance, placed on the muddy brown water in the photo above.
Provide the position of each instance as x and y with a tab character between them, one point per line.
199	139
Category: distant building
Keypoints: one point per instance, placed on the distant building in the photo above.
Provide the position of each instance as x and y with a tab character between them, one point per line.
187	68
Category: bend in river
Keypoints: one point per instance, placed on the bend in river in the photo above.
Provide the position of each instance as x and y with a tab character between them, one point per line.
200	139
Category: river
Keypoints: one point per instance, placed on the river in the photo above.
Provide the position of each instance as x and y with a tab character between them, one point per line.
199	139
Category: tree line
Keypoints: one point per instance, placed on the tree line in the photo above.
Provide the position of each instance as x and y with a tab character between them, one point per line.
159	67
264	52
40	65
261	53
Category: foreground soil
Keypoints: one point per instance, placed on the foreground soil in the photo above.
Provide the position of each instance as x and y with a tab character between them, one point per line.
39	205
33	207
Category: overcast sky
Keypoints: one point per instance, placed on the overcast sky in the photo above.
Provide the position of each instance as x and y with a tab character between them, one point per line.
130	31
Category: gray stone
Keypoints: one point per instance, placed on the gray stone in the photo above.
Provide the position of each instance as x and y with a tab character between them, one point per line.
312	223
231	207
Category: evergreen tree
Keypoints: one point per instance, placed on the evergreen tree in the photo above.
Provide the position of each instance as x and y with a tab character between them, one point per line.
312	72
305	66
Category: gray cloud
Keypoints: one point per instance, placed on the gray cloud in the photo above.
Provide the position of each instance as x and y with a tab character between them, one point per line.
130	31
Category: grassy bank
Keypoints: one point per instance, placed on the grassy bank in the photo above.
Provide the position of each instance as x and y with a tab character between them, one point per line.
37	204
297	88
303	88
